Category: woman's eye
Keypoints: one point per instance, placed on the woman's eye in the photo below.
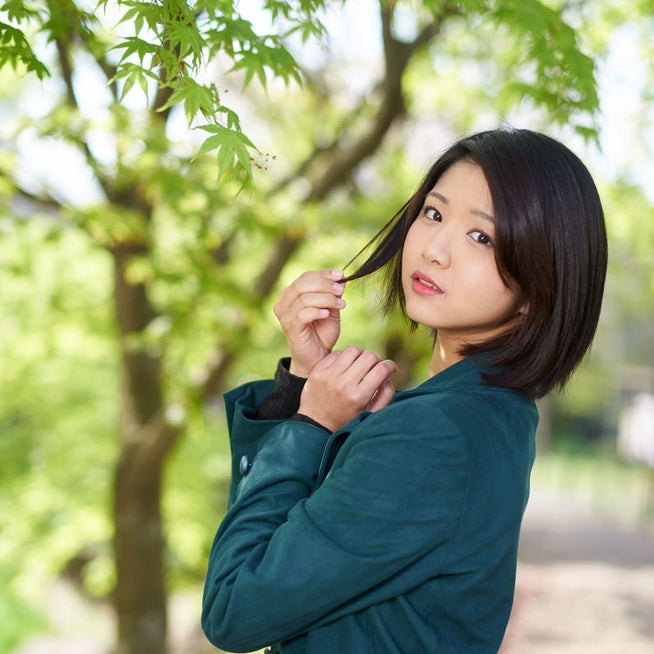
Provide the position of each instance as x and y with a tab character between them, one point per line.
480	237
432	214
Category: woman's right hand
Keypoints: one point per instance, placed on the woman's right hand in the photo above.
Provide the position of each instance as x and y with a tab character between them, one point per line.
309	313
346	383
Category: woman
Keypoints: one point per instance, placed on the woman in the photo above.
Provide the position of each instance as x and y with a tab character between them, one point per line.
364	520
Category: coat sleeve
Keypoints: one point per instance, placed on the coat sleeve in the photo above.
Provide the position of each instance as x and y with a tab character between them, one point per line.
286	560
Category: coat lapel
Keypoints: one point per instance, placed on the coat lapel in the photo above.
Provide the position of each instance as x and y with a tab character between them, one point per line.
334	445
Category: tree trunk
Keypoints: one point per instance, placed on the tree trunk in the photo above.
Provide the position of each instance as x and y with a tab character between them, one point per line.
140	596
145	439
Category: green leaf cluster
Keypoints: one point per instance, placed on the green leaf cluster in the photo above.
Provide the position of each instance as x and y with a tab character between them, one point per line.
175	42
563	79
15	47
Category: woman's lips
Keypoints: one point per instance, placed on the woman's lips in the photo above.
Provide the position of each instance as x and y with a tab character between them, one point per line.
424	285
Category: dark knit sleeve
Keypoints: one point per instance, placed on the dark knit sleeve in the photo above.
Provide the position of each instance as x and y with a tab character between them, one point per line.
284	399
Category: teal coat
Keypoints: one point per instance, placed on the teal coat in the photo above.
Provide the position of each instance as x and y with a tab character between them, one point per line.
396	534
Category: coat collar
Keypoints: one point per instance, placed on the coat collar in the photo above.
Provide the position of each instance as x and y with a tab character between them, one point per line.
467	372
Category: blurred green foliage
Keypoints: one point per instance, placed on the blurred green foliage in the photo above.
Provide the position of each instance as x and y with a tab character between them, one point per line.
57	419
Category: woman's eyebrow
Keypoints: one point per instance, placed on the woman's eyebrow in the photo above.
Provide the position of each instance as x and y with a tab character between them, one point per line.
483	214
436	194
476	212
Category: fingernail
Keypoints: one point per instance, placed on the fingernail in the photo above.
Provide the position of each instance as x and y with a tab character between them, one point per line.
340	303
338	288
337	274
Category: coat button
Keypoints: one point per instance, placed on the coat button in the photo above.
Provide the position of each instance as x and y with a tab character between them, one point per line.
244	465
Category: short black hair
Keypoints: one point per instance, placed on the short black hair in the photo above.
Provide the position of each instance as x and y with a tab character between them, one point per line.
550	244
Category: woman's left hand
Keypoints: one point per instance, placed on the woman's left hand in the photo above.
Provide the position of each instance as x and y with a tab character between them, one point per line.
344	384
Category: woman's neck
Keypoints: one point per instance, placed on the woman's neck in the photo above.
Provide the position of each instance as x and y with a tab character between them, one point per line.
444	355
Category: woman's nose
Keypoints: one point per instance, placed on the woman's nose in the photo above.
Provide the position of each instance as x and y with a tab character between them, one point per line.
437	247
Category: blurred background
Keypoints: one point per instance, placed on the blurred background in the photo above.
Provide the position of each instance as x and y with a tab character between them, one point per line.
166	168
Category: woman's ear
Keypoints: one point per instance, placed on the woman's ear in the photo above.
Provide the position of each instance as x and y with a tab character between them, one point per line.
521	304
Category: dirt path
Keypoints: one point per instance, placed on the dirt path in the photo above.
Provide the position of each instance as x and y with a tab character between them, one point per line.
585	584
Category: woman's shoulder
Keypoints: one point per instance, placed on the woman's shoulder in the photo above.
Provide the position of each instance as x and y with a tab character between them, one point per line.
472	399
464	394
461	411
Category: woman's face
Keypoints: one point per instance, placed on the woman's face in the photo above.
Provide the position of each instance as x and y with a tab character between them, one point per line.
449	275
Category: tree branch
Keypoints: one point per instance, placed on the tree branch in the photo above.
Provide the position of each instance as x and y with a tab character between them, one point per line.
222	359
224	355
109	70
45	202
155	439
105	182
164	91
397	55
66	72
129	196
284	248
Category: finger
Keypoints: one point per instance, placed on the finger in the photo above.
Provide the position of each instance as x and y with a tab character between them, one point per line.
360	362
307	316
321	292
300	314
321	300
327	362
338	362
318	280
347	359
382	397
376	376
327	273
